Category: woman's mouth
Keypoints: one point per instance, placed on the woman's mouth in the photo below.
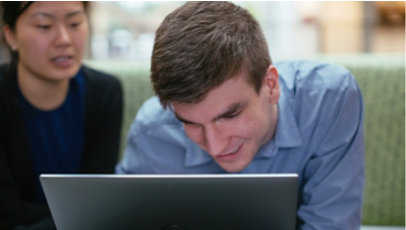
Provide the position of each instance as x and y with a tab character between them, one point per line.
63	61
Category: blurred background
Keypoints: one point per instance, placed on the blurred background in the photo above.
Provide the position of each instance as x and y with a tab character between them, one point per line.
125	30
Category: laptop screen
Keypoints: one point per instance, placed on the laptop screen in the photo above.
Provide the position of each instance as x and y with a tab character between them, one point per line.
187	202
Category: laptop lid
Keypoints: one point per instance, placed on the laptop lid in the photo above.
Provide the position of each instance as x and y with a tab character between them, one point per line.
181	202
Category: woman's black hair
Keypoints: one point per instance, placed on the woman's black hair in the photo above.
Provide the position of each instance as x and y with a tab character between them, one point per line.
12	10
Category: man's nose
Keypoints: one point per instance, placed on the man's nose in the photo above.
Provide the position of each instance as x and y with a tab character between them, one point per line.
215	140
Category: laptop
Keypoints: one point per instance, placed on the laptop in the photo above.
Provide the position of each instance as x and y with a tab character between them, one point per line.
172	202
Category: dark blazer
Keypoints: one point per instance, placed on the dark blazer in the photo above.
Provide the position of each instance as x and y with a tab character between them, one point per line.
103	117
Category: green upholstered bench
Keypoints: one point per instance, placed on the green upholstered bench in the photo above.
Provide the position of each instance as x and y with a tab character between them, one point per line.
382	82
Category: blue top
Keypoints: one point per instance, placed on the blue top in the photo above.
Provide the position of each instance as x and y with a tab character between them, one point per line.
56	137
319	136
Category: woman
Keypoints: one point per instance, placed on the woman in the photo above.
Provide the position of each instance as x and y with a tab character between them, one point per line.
57	116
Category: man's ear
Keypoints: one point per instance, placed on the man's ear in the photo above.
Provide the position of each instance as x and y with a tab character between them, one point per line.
272	82
10	37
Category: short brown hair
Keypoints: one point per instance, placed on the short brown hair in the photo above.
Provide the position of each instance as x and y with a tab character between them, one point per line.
202	44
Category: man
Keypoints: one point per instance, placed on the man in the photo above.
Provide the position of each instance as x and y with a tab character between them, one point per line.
222	106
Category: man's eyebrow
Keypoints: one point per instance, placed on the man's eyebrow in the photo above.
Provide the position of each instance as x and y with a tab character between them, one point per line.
184	120
231	110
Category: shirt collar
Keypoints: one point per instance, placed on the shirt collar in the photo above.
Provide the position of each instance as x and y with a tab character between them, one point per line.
172	132
287	133
194	155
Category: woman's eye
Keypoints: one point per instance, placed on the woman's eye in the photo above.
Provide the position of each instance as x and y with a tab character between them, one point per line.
44	27
75	24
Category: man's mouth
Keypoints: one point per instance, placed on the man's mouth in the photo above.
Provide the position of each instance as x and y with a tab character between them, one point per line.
231	154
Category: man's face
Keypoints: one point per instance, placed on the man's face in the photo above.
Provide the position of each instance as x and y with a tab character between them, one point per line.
233	121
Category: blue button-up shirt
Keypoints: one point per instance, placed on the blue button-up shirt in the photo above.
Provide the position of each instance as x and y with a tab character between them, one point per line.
319	136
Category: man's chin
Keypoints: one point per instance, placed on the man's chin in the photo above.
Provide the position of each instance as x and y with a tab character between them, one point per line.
233	167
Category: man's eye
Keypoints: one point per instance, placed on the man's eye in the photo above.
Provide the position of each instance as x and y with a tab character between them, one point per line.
189	124
232	115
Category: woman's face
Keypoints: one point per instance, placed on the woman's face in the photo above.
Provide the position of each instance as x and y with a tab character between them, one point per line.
50	38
